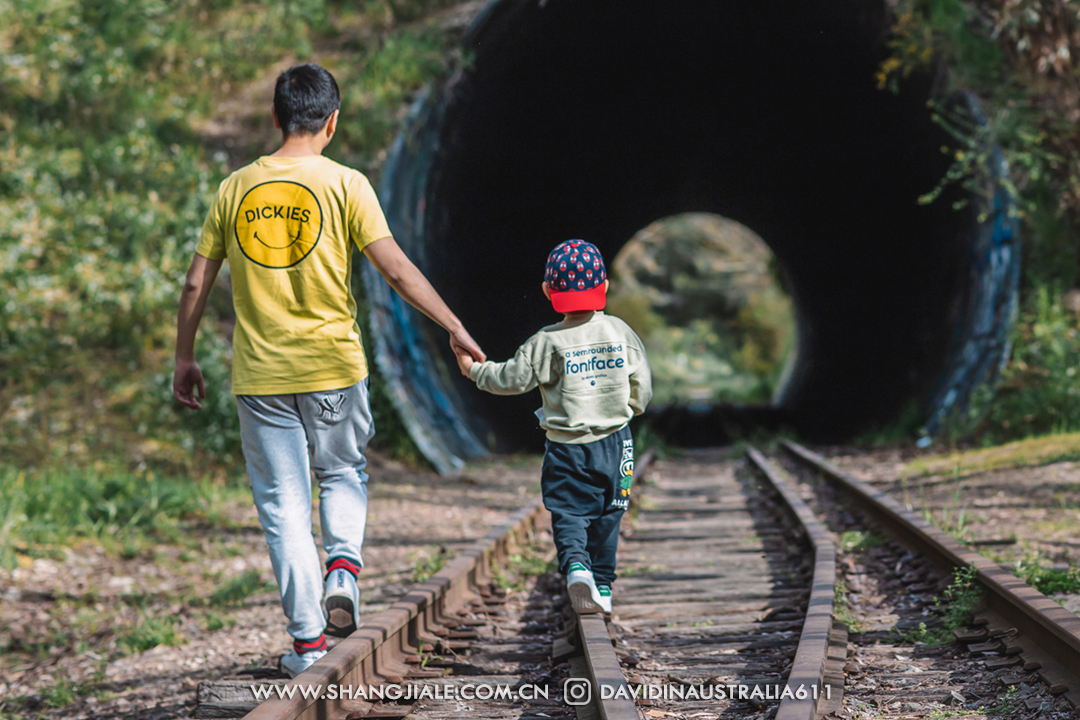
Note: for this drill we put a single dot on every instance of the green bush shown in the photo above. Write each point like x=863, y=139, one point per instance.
x=1020, y=60
x=1039, y=391
x=106, y=172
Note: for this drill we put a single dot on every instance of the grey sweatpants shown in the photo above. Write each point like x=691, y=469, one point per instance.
x=285, y=439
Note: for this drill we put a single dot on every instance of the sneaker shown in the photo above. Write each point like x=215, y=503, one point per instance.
x=294, y=663
x=584, y=597
x=342, y=602
x=605, y=597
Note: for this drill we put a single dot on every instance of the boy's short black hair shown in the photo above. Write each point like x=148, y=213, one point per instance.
x=304, y=98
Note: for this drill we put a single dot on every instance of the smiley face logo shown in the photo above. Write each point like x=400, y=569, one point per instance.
x=278, y=224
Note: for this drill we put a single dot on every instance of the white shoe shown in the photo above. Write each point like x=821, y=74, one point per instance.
x=605, y=597
x=294, y=663
x=584, y=597
x=342, y=601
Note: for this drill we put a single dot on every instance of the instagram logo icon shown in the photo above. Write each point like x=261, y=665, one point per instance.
x=577, y=691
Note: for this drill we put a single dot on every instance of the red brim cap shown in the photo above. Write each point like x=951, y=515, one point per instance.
x=565, y=301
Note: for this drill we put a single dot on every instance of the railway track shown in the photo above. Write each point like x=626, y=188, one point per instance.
x=725, y=608
x=1018, y=634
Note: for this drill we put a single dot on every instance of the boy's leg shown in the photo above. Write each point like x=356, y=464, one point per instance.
x=339, y=427
x=603, y=544
x=571, y=501
x=276, y=450
x=612, y=461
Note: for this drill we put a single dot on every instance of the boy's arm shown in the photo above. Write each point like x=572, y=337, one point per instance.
x=640, y=380
x=410, y=283
x=197, y=286
x=513, y=377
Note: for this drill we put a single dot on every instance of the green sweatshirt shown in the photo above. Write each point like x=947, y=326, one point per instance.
x=593, y=376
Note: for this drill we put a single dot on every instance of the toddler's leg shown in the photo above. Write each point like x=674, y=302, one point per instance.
x=613, y=462
x=603, y=542
x=276, y=451
x=572, y=503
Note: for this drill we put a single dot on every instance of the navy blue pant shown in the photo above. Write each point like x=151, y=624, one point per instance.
x=587, y=488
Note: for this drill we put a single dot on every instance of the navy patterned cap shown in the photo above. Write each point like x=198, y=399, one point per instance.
x=575, y=275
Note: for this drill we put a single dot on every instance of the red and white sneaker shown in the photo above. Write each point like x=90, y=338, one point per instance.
x=342, y=601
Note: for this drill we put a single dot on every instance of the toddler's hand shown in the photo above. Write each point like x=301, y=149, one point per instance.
x=465, y=363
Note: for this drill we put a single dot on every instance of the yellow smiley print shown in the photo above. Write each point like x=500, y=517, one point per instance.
x=278, y=224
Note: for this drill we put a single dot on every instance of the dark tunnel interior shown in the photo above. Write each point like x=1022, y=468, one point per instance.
x=593, y=119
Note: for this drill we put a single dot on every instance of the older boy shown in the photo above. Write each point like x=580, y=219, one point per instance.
x=287, y=224
x=593, y=376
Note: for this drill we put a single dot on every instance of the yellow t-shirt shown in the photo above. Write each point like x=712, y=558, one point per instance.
x=287, y=226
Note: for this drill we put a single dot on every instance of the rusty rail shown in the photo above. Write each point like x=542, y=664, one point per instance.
x=611, y=694
x=809, y=668
x=376, y=652
x=1048, y=637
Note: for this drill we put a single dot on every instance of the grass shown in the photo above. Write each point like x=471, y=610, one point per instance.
x=1007, y=703
x=1048, y=581
x=856, y=540
x=61, y=693
x=958, y=604
x=150, y=632
x=214, y=622
x=953, y=518
x=42, y=511
x=1021, y=453
x=239, y=588
x=427, y=562
x=842, y=607
x=529, y=561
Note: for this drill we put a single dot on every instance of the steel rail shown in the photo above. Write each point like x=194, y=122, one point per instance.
x=808, y=669
x=1047, y=635
x=611, y=693
x=377, y=650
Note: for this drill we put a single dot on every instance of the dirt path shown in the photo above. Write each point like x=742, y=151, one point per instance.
x=208, y=606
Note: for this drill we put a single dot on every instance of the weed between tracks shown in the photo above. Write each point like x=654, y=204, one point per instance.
x=427, y=562
x=842, y=607
x=529, y=560
x=953, y=517
x=957, y=605
x=856, y=540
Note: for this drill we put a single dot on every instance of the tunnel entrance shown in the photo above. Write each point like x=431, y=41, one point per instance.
x=594, y=119
x=702, y=293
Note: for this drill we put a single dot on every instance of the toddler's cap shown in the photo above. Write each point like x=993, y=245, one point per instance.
x=575, y=275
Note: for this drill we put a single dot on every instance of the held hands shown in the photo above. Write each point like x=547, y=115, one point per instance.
x=465, y=350
x=187, y=377
x=464, y=363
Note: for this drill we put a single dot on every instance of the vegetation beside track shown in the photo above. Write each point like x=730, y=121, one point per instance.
x=1019, y=453
x=119, y=121
x=1020, y=60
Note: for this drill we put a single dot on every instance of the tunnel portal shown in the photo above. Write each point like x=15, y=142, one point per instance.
x=593, y=119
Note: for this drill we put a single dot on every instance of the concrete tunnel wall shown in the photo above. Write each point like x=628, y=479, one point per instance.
x=594, y=119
